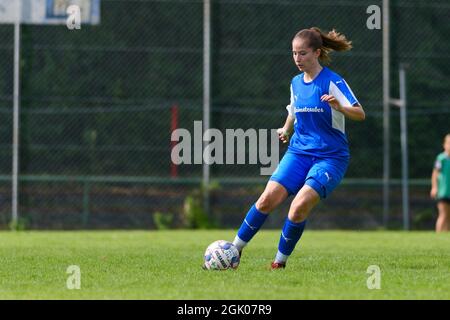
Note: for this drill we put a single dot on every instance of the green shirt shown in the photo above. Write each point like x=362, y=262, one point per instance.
x=443, y=165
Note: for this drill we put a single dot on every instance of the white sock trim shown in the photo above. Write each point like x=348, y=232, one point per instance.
x=239, y=243
x=281, y=258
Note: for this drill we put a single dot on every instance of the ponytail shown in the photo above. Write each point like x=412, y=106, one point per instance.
x=332, y=41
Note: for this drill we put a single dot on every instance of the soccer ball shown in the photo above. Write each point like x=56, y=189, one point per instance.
x=221, y=255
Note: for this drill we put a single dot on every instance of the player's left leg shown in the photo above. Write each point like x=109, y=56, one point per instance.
x=443, y=221
x=305, y=200
x=323, y=177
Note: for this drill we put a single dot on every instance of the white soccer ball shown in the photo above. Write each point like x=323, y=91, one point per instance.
x=221, y=255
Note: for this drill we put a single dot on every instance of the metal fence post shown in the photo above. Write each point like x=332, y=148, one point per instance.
x=404, y=145
x=386, y=113
x=206, y=95
x=15, y=160
x=86, y=202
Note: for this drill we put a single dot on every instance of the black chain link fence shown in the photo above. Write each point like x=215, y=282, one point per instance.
x=98, y=106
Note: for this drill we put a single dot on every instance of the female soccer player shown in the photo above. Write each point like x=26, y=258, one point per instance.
x=440, y=186
x=318, y=154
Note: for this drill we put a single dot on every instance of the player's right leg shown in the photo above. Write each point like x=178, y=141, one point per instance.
x=273, y=195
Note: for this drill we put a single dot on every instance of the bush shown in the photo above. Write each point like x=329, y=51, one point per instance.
x=194, y=216
x=162, y=221
x=19, y=225
x=424, y=219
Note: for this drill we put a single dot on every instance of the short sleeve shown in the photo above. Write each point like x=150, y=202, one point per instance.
x=438, y=164
x=290, y=107
x=342, y=92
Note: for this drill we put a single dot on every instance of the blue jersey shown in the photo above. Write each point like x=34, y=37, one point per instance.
x=319, y=130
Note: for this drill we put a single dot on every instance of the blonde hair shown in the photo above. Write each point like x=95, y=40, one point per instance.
x=326, y=42
x=447, y=136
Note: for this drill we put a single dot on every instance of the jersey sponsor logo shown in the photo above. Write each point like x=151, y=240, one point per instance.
x=309, y=109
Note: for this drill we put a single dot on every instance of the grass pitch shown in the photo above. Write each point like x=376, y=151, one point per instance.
x=167, y=265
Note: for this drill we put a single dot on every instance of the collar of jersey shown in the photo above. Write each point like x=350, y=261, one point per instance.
x=313, y=80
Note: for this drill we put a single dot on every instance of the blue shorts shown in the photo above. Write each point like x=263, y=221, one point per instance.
x=321, y=174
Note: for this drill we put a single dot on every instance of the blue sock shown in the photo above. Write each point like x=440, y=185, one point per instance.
x=252, y=223
x=290, y=235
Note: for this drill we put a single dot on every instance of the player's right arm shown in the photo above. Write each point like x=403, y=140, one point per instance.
x=285, y=133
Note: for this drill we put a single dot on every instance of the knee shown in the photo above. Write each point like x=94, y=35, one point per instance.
x=446, y=216
x=299, y=211
x=265, y=203
x=444, y=212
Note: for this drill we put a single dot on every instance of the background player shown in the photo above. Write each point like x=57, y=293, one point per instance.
x=440, y=186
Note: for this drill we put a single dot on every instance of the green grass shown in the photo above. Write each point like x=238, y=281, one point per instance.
x=166, y=265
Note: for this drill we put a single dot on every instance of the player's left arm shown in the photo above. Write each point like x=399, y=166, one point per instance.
x=341, y=98
x=354, y=112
